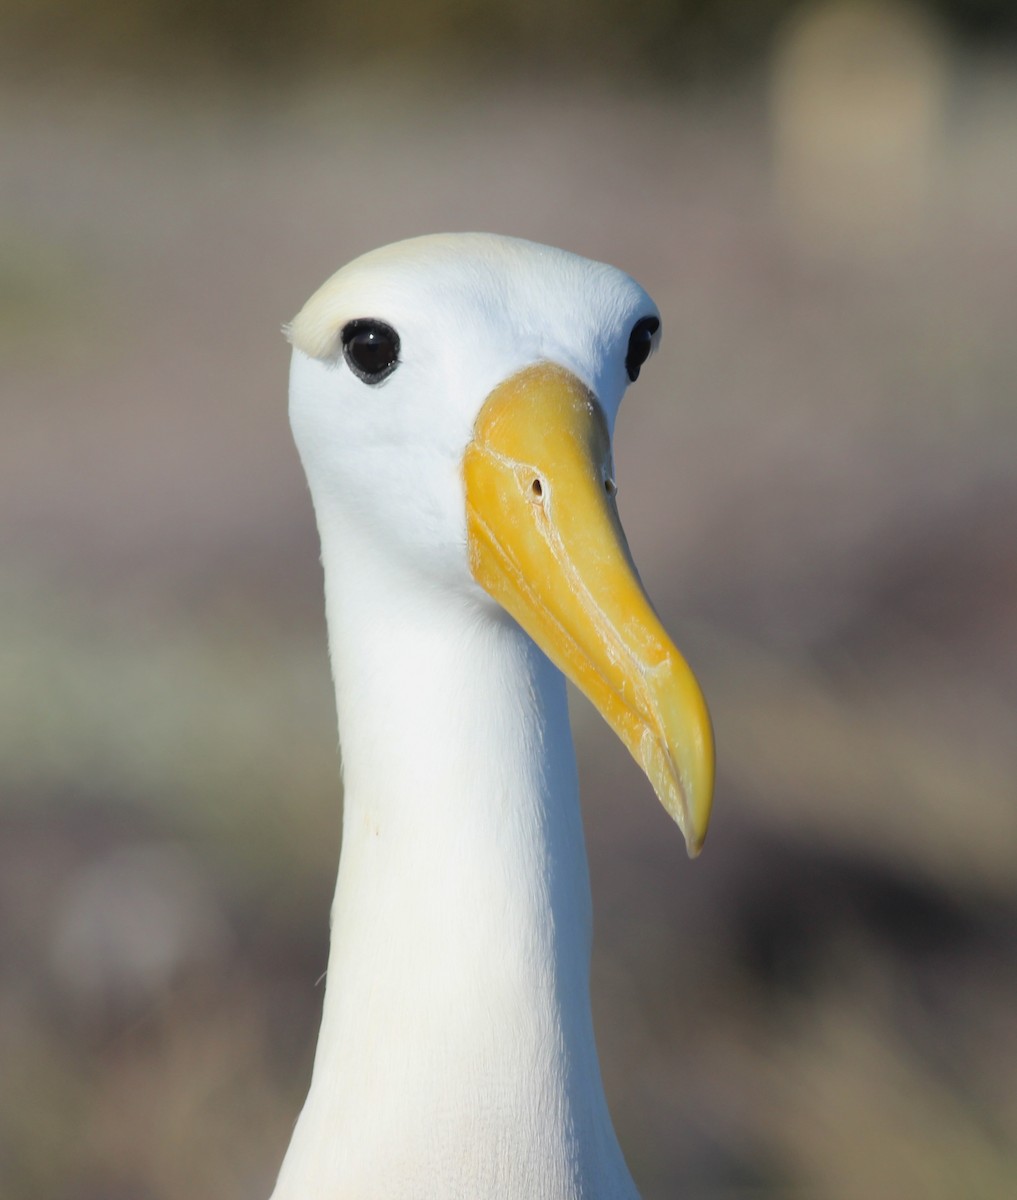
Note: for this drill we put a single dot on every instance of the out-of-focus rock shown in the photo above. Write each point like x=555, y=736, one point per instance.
x=857, y=110
x=131, y=922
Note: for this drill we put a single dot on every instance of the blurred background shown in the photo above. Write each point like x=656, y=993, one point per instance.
x=818, y=480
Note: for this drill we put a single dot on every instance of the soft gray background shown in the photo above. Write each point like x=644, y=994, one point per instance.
x=817, y=477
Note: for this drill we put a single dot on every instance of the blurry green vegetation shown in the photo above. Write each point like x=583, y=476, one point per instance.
x=190, y=698
x=47, y=291
x=657, y=40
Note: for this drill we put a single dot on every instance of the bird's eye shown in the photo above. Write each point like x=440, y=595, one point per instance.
x=640, y=345
x=371, y=348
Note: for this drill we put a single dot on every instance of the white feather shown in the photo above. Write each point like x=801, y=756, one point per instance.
x=456, y=1057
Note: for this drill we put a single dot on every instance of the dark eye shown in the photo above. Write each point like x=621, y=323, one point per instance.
x=371, y=348
x=640, y=344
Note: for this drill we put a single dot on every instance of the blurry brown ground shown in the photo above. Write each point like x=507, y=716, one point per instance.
x=818, y=478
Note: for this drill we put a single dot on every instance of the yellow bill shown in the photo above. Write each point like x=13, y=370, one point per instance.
x=546, y=543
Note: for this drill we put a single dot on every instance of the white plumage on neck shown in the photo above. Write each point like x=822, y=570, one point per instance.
x=452, y=399
x=457, y=998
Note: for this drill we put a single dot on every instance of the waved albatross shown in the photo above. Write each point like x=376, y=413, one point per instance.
x=452, y=399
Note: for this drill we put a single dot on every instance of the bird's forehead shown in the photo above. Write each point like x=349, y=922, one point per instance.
x=495, y=288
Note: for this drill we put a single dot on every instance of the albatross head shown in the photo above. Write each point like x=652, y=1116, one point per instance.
x=453, y=397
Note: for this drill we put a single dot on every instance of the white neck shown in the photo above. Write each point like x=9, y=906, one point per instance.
x=456, y=1057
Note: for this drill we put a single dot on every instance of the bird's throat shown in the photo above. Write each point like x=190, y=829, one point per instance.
x=456, y=1055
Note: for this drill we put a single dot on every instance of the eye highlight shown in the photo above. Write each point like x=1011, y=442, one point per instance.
x=371, y=349
x=640, y=345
